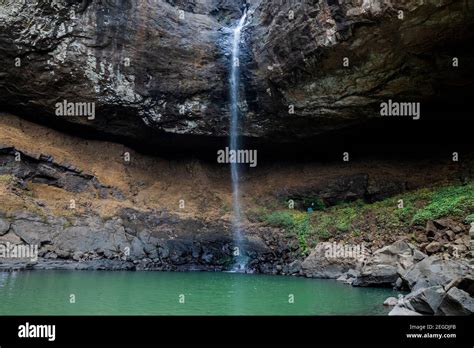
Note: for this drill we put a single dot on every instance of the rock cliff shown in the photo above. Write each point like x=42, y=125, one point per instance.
x=157, y=69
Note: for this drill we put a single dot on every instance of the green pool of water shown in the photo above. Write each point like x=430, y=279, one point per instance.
x=156, y=293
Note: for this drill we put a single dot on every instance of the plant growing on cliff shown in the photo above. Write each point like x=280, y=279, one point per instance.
x=301, y=228
x=282, y=219
x=386, y=216
x=451, y=200
x=295, y=222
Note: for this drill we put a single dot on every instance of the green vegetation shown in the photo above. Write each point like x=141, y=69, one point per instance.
x=395, y=214
x=282, y=219
x=470, y=219
x=301, y=229
x=455, y=201
x=295, y=222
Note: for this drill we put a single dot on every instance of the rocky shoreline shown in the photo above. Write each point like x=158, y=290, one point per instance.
x=133, y=240
x=440, y=281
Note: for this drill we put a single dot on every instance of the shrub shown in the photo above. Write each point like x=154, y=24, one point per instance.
x=282, y=219
x=447, y=201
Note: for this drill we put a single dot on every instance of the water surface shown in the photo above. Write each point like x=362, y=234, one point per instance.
x=159, y=293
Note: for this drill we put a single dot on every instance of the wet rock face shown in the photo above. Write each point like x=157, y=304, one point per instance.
x=160, y=67
x=145, y=64
x=300, y=47
x=136, y=240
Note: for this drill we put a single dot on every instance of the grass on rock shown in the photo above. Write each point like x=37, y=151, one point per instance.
x=396, y=214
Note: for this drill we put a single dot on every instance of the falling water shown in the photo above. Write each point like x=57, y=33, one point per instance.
x=234, y=140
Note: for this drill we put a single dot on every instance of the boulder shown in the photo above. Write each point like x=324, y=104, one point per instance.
x=349, y=276
x=4, y=226
x=391, y=302
x=377, y=275
x=318, y=265
x=457, y=302
x=463, y=283
x=401, y=311
x=421, y=236
x=34, y=232
x=449, y=224
x=11, y=238
x=433, y=247
x=387, y=264
x=434, y=270
x=294, y=267
x=425, y=300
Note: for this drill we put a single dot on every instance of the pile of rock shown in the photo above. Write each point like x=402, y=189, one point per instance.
x=444, y=236
x=441, y=284
x=385, y=267
x=438, y=287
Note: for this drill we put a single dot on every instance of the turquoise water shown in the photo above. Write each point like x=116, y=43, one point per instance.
x=158, y=293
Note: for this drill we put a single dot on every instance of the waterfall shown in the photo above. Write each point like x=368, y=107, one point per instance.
x=234, y=141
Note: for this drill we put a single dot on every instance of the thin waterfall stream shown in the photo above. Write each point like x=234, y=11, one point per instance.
x=240, y=259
